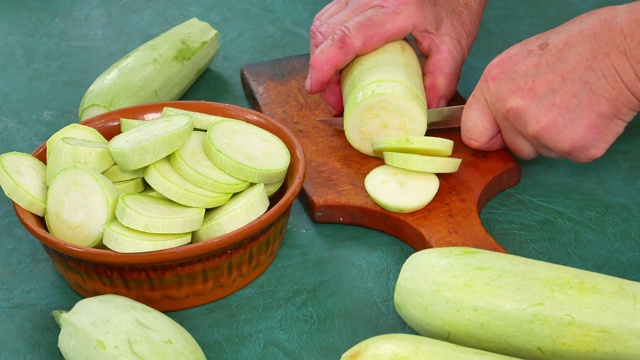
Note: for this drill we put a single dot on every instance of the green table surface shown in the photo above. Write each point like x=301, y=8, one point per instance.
x=331, y=285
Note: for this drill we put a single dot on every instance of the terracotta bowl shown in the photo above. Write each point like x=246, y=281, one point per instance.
x=192, y=274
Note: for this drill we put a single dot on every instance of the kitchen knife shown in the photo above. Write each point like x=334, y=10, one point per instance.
x=438, y=118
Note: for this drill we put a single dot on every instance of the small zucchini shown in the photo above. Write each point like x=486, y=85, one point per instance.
x=161, y=69
x=116, y=327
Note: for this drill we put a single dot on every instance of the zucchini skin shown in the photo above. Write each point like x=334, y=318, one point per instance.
x=383, y=95
x=162, y=69
x=519, y=307
x=415, y=347
x=112, y=326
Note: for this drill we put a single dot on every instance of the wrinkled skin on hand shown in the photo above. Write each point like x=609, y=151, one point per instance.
x=444, y=31
x=568, y=92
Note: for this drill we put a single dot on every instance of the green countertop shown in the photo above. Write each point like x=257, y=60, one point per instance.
x=331, y=285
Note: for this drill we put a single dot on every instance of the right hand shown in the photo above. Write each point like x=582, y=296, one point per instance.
x=444, y=31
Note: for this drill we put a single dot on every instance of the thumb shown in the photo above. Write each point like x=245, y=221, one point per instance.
x=479, y=128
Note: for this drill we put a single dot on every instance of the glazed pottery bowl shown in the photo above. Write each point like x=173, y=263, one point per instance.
x=192, y=274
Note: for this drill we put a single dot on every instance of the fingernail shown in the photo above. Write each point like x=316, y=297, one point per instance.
x=332, y=110
x=307, y=83
x=442, y=103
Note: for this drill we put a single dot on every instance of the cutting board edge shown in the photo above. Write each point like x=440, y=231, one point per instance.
x=414, y=236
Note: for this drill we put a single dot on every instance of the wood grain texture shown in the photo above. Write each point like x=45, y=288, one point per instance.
x=333, y=191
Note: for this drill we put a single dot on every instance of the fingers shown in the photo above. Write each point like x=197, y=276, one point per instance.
x=341, y=33
x=332, y=95
x=479, y=128
x=441, y=76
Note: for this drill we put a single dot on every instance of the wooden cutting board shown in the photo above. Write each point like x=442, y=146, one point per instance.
x=333, y=190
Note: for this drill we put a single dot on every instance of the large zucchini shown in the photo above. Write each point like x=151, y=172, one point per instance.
x=414, y=347
x=161, y=69
x=519, y=307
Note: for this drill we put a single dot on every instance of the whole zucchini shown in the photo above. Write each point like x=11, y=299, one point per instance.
x=519, y=307
x=161, y=69
x=116, y=327
x=414, y=347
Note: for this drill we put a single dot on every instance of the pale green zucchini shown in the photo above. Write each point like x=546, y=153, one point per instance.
x=192, y=163
x=201, y=121
x=150, y=141
x=23, y=180
x=414, y=347
x=128, y=124
x=135, y=185
x=247, y=152
x=161, y=69
x=123, y=239
x=148, y=190
x=383, y=95
x=424, y=163
x=115, y=174
x=116, y=327
x=272, y=188
x=154, y=215
x=76, y=131
x=164, y=178
x=75, y=151
x=423, y=145
x=401, y=190
x=519, y=307
x=79, y=204
x=241, y=209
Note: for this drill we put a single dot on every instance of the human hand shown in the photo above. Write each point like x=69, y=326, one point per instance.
x=568, y=92
x=444, y=31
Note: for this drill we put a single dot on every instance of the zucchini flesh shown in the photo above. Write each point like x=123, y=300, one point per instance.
x=23, y=180
x=517, y=306
x=241, y=209
x=201, y=121
x=400, y=190
x=154, y=215
x=383, y=95
x=424, y=145
x=150, y=141
x=115, y=174
x=123, y=239
x=164, y=179
x=135, y=185
x=424, y=163
x=247, y=152
x=192, y=163
x=79, y=204
x=161, y=69
x=88, y=153
x=78, y=131
x=128, y=124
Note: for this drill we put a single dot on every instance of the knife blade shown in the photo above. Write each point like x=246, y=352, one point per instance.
x=438, y=118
